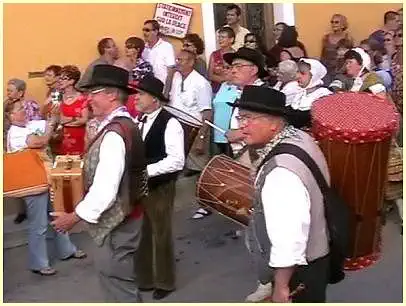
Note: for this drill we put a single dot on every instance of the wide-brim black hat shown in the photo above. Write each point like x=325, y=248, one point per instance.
x=153, y=86
x=250, y=55
x=110, y=76
x=266, y=100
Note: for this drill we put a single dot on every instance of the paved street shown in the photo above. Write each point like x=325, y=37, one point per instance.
x=212, y=267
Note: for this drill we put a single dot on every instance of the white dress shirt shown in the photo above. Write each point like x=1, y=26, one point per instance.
x=286, y=204
x=174, y=146
x=103, y=191
x=161, y=57
x=196, y=95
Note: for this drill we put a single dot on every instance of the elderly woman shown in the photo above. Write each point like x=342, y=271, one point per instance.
x=358, y=76
x=287, y=82
x=339, y=27
x=35, y=134
x=16, y=90
x=193, y=43
x=73, y=114
x=217, y=73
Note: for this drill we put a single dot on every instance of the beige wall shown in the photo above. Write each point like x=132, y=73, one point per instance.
x=37, y=35
x=313, y=21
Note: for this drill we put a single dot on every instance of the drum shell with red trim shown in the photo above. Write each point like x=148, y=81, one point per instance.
x=354, y=131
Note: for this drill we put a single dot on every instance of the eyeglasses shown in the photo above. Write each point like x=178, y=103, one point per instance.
x=130, y=47
x=250, y=42
x=147, y=30
x=238, y=66
x=64, y=78
x=96, y=91
x=187, y=45
x=248, y=118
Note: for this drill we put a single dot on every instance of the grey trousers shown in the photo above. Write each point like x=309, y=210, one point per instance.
x=114, y=262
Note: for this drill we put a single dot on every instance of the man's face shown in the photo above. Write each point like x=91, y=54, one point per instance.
x=242, y=72
x=112, y=49
x=394, y=24
x=149, y=33
x=50, y=78
x=257, y=128
x=184, y=61
x=145, y=103
x=100, y=101
x=232, y=17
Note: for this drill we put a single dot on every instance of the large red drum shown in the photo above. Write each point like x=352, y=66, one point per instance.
x=354, y=131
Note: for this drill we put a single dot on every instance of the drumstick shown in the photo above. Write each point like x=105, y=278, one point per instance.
x=214, y=126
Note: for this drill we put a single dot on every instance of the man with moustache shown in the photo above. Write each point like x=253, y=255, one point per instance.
x=115, y=181
x=164, y=142
x=287, y=234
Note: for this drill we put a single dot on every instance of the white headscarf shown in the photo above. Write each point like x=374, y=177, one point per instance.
x=317, y=70
x=366, y=63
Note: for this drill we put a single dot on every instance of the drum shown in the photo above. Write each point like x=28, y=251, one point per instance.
x=190, y=124
x=67, y=182
x=227, y=186
x=354, y=131
x=24, y=174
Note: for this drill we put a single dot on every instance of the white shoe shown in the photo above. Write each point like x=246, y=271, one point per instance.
x=262, y=292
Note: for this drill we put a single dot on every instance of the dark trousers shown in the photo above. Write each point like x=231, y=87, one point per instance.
x=315, y=277
x=155, y=263
x=114, y=262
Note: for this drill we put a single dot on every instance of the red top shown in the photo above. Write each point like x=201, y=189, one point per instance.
x=73, y=142
x=354, y=118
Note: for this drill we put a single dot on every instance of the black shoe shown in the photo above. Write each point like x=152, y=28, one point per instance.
x=145, y=289
x=20, y=218
x=160, y=294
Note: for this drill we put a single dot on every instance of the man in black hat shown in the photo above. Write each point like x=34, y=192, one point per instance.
x=164, y=142
x=247, y=68
x=287, y=234
x=115, y=181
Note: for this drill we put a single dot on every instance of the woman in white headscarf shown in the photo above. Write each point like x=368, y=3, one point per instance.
x=358, y=76
x=309, y=77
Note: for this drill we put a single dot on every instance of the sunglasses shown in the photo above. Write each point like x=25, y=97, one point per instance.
x=147, y=30
x=187, y=45
x=387, y=39
x=334, y=22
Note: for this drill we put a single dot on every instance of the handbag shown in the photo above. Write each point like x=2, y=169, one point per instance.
x=24, y=174
x=336, y=211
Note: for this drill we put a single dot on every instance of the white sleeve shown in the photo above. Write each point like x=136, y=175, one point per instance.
x=205, y=95
x=286, y=205
x=103, y=191
x=170, y=56
x=174, y=148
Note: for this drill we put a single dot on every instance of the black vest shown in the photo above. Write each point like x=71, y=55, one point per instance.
x=155, y=148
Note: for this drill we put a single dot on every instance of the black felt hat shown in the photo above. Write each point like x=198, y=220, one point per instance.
x=153, y=86
x=250, y=55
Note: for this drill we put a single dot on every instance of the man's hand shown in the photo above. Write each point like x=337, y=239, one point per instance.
x=63, y=222
x=281, y=294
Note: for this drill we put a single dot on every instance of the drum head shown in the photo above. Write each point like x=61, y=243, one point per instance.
x=183, y=116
